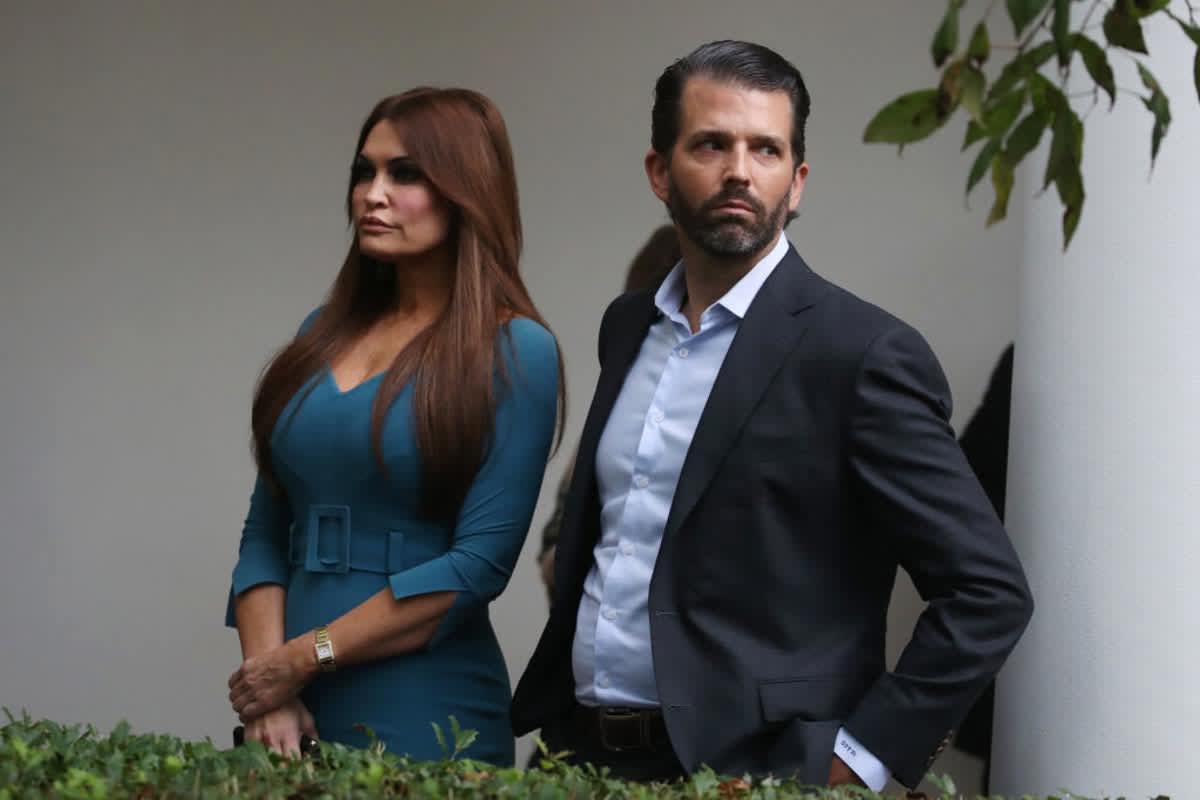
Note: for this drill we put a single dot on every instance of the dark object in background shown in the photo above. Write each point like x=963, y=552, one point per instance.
x=308, y=745
x=985, y=439
x=985, y=443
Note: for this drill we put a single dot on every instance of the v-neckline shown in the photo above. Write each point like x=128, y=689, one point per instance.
x=340, y=392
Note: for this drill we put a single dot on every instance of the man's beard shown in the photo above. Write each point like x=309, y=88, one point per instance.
x=725, y=235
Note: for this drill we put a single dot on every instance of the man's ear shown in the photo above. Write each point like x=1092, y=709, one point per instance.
x=798, y=178
x=658, y=172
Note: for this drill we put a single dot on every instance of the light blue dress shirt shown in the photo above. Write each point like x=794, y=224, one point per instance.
x=638, y=461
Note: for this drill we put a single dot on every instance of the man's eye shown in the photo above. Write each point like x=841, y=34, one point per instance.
x=769, y=150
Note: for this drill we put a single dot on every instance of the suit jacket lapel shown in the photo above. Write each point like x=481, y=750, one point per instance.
x=765, y=336
x=623, y=337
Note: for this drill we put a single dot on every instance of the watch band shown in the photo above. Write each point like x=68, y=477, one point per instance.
x=323, y=647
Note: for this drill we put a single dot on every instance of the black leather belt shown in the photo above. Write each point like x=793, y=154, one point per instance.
x=620, y=729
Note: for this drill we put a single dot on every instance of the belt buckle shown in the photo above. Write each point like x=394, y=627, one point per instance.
x=327, y=539
x=622, y=714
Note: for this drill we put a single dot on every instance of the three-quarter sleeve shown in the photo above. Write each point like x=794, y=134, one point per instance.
x=263, y=553
x=491, y=526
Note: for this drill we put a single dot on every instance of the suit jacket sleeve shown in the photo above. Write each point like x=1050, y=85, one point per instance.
x=921, y=500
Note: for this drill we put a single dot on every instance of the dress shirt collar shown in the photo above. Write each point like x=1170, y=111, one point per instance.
x=669, y=297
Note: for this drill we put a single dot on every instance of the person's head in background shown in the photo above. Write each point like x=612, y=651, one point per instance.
x=654, y=260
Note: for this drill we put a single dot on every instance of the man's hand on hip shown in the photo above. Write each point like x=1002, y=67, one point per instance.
x=841, y=775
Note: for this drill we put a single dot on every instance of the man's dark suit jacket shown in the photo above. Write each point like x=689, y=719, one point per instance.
x=822, y=461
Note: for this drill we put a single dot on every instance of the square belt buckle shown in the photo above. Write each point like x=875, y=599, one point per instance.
x=623, y=717
x=327, y=539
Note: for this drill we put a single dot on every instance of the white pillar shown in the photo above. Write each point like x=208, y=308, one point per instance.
x=1102, y=696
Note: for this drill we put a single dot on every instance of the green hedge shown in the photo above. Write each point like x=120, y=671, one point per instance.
x=46, y=759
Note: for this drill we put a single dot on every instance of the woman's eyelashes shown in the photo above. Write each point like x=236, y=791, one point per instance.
x=361, y=170
x=403, y=170
x=400, y=170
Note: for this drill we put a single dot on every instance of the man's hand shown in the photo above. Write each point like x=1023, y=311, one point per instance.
x=842, y=775
x=280, y=730
x=266, y=682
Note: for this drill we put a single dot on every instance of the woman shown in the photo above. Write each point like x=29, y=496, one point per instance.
x=400, y=441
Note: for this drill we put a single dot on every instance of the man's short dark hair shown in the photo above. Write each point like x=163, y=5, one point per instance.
x=743, y=64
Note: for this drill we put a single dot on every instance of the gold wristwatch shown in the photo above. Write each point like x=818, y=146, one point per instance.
x=324, y=649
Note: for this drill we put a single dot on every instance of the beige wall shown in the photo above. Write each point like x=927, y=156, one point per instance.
x=172, y=176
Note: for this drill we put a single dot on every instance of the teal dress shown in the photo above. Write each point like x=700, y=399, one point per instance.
x=346, y=530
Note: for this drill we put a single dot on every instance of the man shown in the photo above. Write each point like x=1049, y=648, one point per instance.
x=762, y=451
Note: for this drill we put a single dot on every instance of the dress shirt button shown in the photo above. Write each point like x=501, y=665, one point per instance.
x=683, y=352
x=603, y=682
x=627, y=549
x=609, y=614
x=657, y=417
x=641, y=481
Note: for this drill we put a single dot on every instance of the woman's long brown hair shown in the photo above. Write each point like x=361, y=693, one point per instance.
x=458, y=139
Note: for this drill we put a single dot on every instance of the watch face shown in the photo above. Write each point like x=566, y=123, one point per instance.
x=324, y=651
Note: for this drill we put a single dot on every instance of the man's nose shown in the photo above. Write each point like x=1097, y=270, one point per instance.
x=737, y=165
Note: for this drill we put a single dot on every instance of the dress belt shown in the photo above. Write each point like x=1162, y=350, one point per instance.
x=327, y=541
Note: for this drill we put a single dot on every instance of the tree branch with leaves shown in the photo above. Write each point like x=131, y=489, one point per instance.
x=1011, y=115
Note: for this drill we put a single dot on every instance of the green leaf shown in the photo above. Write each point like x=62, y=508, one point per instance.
x=908, y=118
x=1196, y=71
x=1066, y=146
x=975, y=132
x=1144, y=8
x=945, y=41
x=981, y=46
x=1193, y=31
x=1148, y=79
x=999, y=115
x=1044, y=95
x=972, y=83
x=950, y=85
x=1026, y=135
x=1071, y=213
x=1096, y=61
x=463, y=740
x=704, y=781
x=1121, y=29
x=1061, y=28
x=1159, y=106
x=1021, y=68
x=982, y=162
x=1063, y=168
x=1023, y=12
x=1002, y=182
x=441, y=738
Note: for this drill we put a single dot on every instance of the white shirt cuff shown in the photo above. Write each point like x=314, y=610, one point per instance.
x=867, y=767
